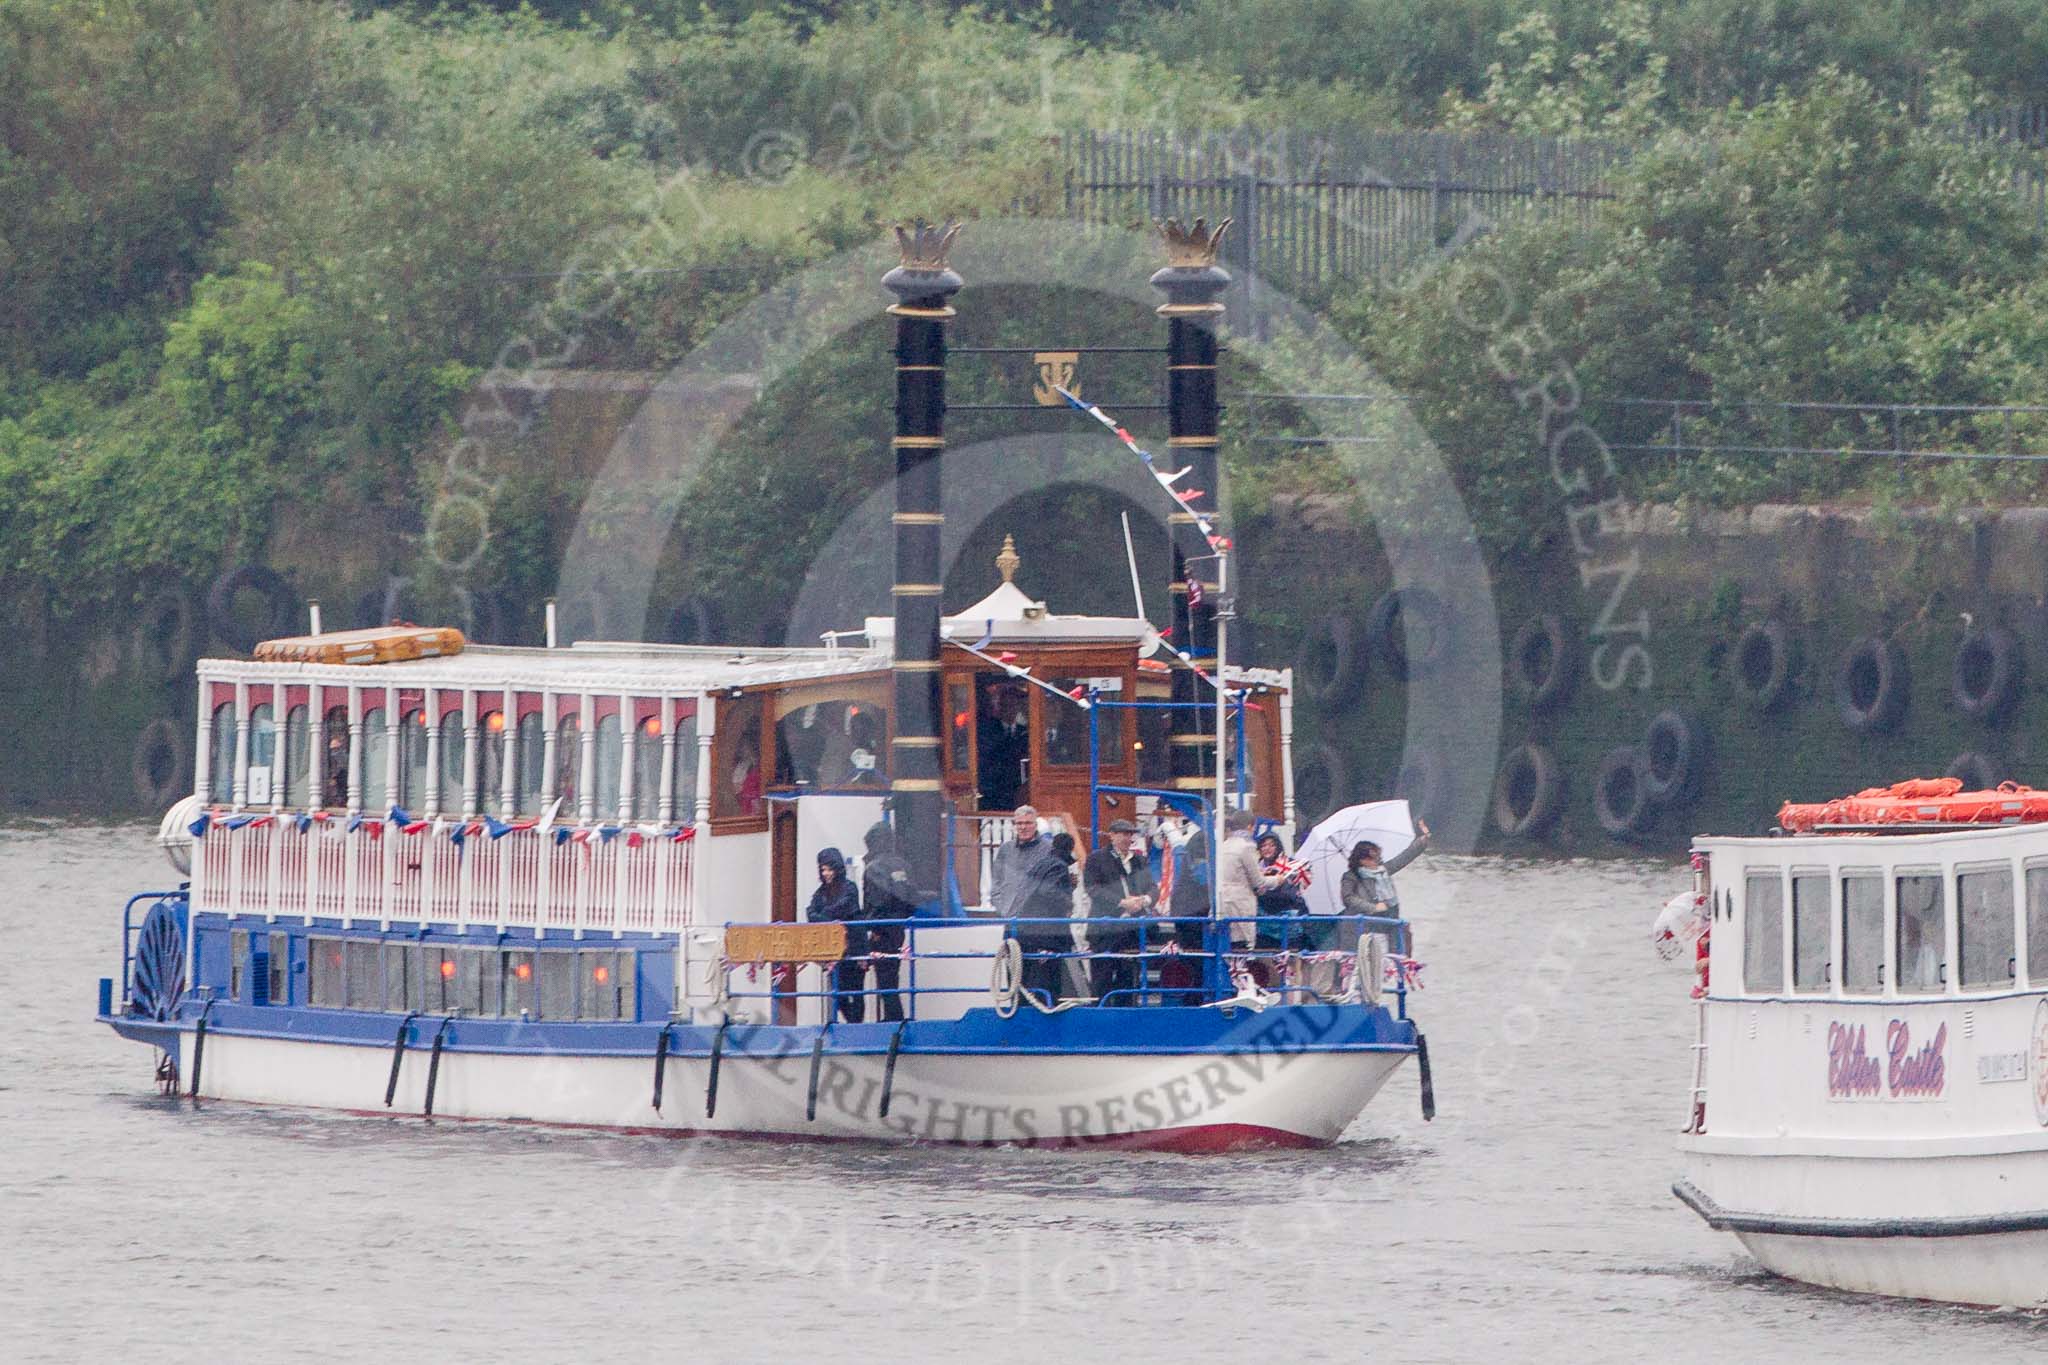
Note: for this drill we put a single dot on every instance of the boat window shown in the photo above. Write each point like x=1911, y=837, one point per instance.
x=960, y=708
x=568, y=762
x=686, y=769
x=400, y=981
x=1810, y=932
x=1863, y=934
x=1920, y=968
x=832, y=745
x=376, y=760
x=490, y=760
x=326, y=972
x=482, y=981
x=610, y=758
x=1984, y=924
x=262, y=753
x=736, y=759
x=517, y=974
x=1066, y=725
x=532, y=754
x=221, y=773
x=1763, y=933
x=647, y=769
x=365, y=977
x=2037, y=926
x=412, y=767
x=280, y=969
x=557, y=973
x=454, y=760
x=335, y=737
x=298, y=786
x=238, y=956
x=433, y=978
x=602, y=985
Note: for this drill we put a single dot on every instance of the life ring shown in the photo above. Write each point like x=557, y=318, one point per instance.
x=1621, y=797
x=158, y=765
x=1764, y=659
x=1006, y=977
x=164, y=636
x=1528, y=793
x=1987, y=673
x=693, y=621
x=280, y=607
x=1404, y=612
x=1675, y=746
x=1873, y=686
x=1543, y=662
x=1329, y=665
x=1421, y=781
x=1977, y=772
x=1322, y=759
x=1372, y=968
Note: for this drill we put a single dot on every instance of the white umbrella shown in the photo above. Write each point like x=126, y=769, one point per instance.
x=1327, y=849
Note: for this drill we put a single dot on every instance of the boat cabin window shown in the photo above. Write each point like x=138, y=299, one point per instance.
x=1811, y=970
x=686, y=768
x=454, y=755
x=221, y=772
x=298, y=772
x=611, y=757
x=412, y=768
x=647, y=768
x=376, y=759
x=736, y=759
x=832, y=746
x=335, y=737
x=433, y=978
x=1066, y=725
x=1984, y=927
x=1763, y=933
x=532, y=754
x=517, y=975
x=401, y=979
x=1920, y=970
x=2037, y=926
x=1863, y=933
x=557, y=973
x=324, y=959
x=364, y=976
x=262, y=753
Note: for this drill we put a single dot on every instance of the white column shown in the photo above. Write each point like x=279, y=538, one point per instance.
x=430, y=711
x=316, y=748
x=278, y=765
x=202, y=749
x=355, y=752
x=472, y=758
x=669, y=726
x=586, y=759
x=241, y=777
x=548, y=743
x=393, y=763
x=629, y=740
x=508, y=770
x=707, y=731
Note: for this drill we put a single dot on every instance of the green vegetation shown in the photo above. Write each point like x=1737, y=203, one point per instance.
x=257, y=252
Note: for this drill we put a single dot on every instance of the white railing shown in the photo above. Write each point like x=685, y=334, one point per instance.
x=636, y=880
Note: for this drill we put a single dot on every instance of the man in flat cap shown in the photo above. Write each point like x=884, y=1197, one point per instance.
x=1121, y=891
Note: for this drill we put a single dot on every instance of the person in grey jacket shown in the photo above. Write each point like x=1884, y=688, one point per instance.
x=1017, y=864
x=1368, y=885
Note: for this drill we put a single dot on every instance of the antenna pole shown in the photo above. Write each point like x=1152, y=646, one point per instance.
x=1131, y=556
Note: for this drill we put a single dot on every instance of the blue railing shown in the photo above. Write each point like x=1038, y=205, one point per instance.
x=1299, y=958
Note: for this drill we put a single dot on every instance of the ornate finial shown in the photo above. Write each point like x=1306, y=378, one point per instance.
x=1192, y=246
x=1008, y=561
x=923, y=246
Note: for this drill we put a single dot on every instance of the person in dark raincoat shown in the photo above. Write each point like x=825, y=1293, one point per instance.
x=888, y=894
x=837, y=901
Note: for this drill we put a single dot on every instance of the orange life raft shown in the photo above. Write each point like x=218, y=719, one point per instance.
x=1920, y=801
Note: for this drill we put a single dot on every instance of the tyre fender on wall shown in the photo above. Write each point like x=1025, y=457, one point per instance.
x=1872, y=686
x=1978, y=772
x=1320, y=782
x=158, y=765
x=1675, y=750
x=1621, y=796
x=1410, y=630
x=1987, y=673
x=276, y=615
x=166, y=636
x=1763, y=663
x=1543, y=662
x=1528, y=793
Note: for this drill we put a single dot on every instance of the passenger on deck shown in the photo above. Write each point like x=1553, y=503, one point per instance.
x=1368, y=887
x=1016, y=864
x=1239, y=881
x=1188, y=903
x=1282, y=902
x=1049, y=904
x=1120, y=888
x=888, y=894
x=837, y=901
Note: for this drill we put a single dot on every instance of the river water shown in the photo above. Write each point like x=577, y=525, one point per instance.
x=1532, y=1221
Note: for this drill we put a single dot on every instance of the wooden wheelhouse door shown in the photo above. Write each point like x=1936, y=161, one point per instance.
x=782, y=898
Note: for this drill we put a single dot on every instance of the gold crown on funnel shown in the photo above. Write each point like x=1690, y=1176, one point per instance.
x=1192, y=244
x=923, y=246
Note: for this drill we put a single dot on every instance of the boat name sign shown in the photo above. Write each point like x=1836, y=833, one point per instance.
x=1906, y=1073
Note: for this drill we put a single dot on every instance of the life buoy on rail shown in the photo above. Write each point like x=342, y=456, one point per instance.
x=1528, y=793
x=1764, y=659
x=1987, y=673
x=158, y=765
x=1410, y=630
x=164, y=636
x=1319, y=781
x=275, y=617
x=1873, y=686
x=1621, y=799
x=1543, y=662
x=1674, y=757
x=1006, y=978
x=1329, y=666
x=1977, y=772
